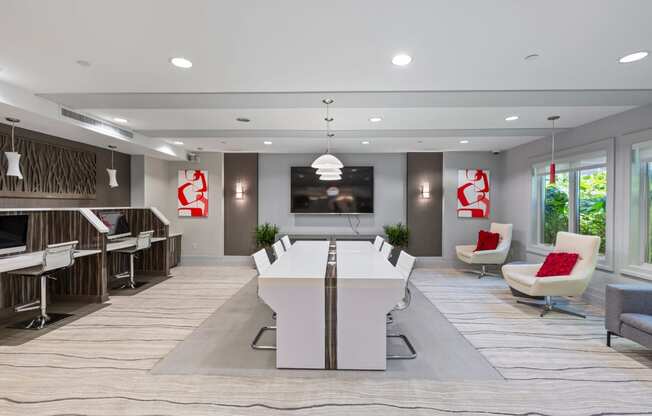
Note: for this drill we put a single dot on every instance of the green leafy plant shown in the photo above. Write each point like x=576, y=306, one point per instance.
x=397, y=235
x=266, y=235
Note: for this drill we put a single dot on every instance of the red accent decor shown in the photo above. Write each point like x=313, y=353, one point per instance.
x=192, y=193
x=558, y=264
x=487, y=241
x=473, y=193
x=552, y=173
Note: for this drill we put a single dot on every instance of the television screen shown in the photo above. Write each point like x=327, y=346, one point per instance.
x=353, y=194
x=13, y=231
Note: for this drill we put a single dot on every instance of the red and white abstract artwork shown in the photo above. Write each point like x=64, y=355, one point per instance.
x=473, y=193
x=192, y=194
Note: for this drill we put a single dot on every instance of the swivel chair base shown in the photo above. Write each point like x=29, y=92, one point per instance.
x=482, y=272
x=547, y=305
x=254, y=343
x=413, y=353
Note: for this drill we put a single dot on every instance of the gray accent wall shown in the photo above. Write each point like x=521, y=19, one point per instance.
x=240, y=215
x=389, y=195
x=424, y=215
x=515, y=200
x=457, y=231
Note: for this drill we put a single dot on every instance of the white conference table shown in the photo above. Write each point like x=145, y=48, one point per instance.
x=368, y=286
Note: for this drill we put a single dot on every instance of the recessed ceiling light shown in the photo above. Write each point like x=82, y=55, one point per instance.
x=82, y=62
x=178, y=142
x=243, y=119
x=401, y=60
x=267, y=142
x=464, y=141
x=120, y=120
x=365, y=142
x=511, y=118
x=375, y=119
x=531, y=57
x=181, y=62
x=633, y=57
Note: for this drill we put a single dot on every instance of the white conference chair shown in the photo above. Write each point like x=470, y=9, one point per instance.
x=386, y=250
x=484, y=258
x=286, y=242
x=378, y=242
x=522, y=277
x=55, y=257
x=404, y=265
x=262, y=263
x=279, y=250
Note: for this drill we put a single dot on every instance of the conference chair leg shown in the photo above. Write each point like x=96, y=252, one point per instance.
x=260, y=333
x=608, y=338
x=547, y=305
x=413, y=353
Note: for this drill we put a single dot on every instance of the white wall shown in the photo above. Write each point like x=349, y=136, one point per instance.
x=517, y=182
x=274, y=194
x=456, y=231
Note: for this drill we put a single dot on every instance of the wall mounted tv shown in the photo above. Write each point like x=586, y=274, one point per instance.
x=353, y=194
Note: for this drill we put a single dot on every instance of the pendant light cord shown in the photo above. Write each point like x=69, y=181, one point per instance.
x=13, y=127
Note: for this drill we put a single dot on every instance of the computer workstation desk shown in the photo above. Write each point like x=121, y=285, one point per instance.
x=88, y=280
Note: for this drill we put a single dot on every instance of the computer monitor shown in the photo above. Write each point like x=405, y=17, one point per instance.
x=116, y=222
x=13, y=233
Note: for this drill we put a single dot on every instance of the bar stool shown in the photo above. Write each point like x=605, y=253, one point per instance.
x=143, y=241
x=262, y=262
x=404, y=265
x=55, y=257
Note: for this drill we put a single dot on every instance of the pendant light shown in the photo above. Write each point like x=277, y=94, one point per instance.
x=13, y=157
x=327, y=160
x=113, y=181
x=552, y=159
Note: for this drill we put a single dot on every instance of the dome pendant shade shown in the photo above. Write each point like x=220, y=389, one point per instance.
x=327, y=161
x=13, y=168
x=330, y=177
x=113, y=182
x=329, y=171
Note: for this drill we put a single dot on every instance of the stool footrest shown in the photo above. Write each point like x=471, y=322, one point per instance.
x=28, y=306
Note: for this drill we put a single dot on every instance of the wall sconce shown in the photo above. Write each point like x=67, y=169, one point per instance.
x=425, y=190
x=239, y=190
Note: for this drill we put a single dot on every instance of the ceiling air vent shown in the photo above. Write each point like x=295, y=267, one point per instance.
x=97, y=125
x=192, y=157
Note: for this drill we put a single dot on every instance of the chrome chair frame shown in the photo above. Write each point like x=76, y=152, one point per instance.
x=42, y=272
x=404, y=304
x=261, y=259
x=143, y=241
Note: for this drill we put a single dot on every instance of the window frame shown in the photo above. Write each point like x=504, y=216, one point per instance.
x=534, y=245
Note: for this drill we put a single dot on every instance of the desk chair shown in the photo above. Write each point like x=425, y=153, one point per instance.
x=386, y=250
x=55, y=257
x=404, y=265
x=286, y=242
x=279, y=250
x=143, y=241
x=262, y=262
x=378, y=242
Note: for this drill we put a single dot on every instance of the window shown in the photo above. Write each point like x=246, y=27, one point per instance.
x=576, y=202
x=641, y=206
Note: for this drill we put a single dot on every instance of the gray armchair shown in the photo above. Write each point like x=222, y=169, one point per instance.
x=629, y=313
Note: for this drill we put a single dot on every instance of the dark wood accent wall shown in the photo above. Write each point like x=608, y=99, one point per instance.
x=175, y=250
x=240, y=215
x=424, y=215
x=61, y=173
x=85, y=281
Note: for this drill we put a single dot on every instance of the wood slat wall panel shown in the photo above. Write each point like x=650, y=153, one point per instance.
x=175, y=250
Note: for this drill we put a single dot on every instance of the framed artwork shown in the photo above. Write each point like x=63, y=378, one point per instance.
x=473, y=193
x=192, y=193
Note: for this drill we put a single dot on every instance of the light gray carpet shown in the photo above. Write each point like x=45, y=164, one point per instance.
x=221, y=345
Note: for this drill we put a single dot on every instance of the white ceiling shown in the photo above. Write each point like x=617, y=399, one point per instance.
x=279, y=59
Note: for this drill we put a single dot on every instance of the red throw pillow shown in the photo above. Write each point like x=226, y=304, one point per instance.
x=558, y=264
x=487, y=241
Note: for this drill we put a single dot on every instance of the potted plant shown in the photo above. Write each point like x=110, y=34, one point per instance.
x=398, y=236
x=266, y=236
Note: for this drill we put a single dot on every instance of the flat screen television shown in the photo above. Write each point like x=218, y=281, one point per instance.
x=353, y=194
x=13, y=233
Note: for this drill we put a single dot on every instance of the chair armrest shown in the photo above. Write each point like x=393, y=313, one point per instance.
x=626, y=299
